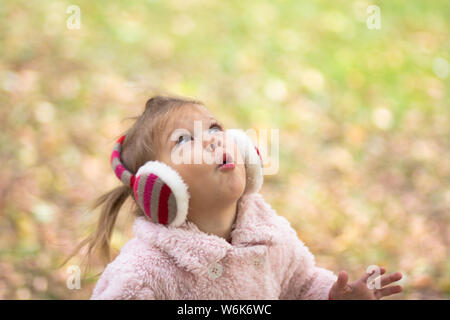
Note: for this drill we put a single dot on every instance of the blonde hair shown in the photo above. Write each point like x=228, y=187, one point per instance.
x=140, y=145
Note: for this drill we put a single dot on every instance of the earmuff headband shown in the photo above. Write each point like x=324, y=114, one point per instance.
x=158, y=189
x=119, y=169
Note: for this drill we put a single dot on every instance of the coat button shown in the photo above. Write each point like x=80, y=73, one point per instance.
x=215, y=270
x=258, y=261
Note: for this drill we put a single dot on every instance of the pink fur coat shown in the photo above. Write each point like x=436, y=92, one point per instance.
x=265, y=260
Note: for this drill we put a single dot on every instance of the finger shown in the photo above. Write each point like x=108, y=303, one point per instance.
x=342, y=280
x=367, y=275
x=389, y=278
x=387, y=291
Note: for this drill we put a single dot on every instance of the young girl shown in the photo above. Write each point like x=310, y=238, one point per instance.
x=204, y=232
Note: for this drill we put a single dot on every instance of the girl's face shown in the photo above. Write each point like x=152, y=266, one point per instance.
x=194, y=144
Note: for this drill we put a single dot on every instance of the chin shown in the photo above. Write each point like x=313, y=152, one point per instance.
x=232, y=190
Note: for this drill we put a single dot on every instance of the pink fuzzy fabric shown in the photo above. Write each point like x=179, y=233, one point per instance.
x=266, y=260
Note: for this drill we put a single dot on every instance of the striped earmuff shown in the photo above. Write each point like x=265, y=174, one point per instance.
x=162, y=194
x=158, y=189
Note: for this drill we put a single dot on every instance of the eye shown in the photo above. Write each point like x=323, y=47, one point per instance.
x=183, y=138
x=215, y=126
x=186, y=137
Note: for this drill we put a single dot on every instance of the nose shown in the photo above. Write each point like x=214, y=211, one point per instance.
x=212, y=141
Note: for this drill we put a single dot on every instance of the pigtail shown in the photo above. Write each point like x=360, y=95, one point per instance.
x=99, y=240
x=111, y=203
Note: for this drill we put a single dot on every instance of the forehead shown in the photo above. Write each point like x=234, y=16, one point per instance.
x=185, y=116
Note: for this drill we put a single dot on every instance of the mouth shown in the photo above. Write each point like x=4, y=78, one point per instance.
x=227, y=162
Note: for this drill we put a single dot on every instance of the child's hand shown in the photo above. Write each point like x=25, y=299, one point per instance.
x=359, y=289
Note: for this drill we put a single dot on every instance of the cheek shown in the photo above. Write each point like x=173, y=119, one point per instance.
x=195, y=176
x=186, y=172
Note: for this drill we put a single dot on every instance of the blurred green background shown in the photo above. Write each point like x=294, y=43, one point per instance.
x=363, y=116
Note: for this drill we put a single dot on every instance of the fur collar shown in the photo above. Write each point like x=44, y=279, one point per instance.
x=194, y=250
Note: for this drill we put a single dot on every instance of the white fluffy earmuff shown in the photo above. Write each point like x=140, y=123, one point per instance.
x=252, y=160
